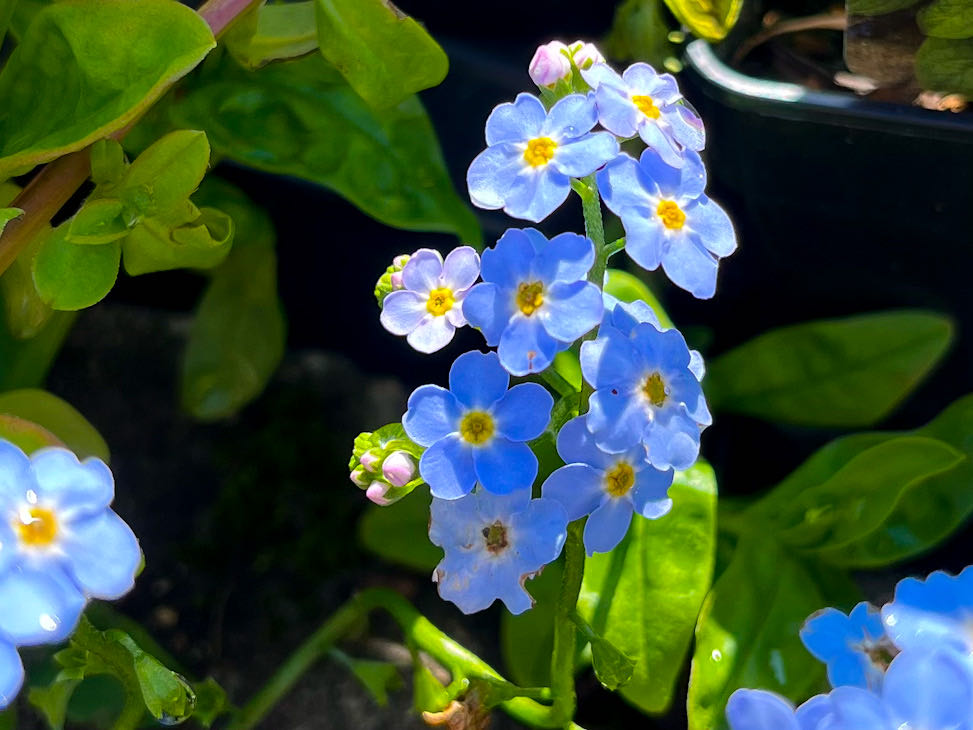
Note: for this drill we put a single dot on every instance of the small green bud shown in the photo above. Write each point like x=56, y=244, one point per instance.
x=391, y=280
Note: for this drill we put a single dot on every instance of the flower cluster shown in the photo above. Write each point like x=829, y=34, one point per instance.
x=908, y=665
x=535, y=298
x=60, y=545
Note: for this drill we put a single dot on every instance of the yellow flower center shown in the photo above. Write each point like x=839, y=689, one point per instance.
x=671, y=214
x=654, y=389
x=496, y=537
x=440, y=301
x=646, y=106
x=530, y=296
x=36, y=526
x=619, y=479
x=476, y=427
x=539, y=151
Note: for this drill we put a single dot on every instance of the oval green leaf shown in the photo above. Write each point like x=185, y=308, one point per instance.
x=273, y=33
x=644, y=596
x=27, y=436
x=840, y=372
x=58, y=417
x=69, y=276
x=709, y=19
x=86, y=69
x=947, y=19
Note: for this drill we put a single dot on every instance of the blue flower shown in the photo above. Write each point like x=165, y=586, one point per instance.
x=854, y=647
x=645, y=392
x=609, y=487
x=534, y=300
x=938, y=609
x=11, y=673
x=532, y=155
x=64, y=543
x=844, y=708
x=667, y=218
x=475, y=431
x=492, y=544
x=643, y=102
x=430, y=306
x=757, y=709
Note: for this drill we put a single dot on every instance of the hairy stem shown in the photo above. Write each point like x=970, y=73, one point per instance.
x=565, y=631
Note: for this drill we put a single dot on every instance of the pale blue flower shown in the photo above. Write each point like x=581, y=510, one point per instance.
x=476, y=431
x=532, y=154
x=936, y=609
x=492, y=544
x=11, y=673
x=854, y=647
x=642, y=102
x=667, y=218
x=609, y=487
x=430, y=306
x=534, y=300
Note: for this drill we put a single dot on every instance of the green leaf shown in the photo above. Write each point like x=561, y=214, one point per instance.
x=201, y=244
x=378, y=678
x=640, y=31
x=527, y=639
x=946, y=65
x=708, y=19
x=747, y=635
x=299, y=118
x=26, y=312
x=86, y=69
x=858, y=497
x=24, y=363
x=877, y=7
x=947, y=19
x=428, y=693
x=273, y=33
x=384, y=54
x=99, y=221
x=211, y=702
x=7, y=215
x=57, y=416
x=167, y=173
x=612, y=668
x=7, y=8
x=399, y=533
x=69, y=276
x=27, y=436
x=568, y=366
x=52, y=701
x=840, y=372
x=644, y=596
x=108, y=162
x=629, y=288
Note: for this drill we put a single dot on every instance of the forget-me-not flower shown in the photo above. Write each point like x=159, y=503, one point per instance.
x=492, y=544
x=429, y=307
x=476, y=431
x=642, y=102
x=63, y=543
x=938, y=608
x=645, y=392
x=609, y=487
x=534, y=300
x=854, y=647
x=532, y=154
x=667, y=218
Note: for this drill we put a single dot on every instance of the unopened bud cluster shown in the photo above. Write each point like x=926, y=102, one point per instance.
x=554, y=65
x=391, y=280
x=384, y=463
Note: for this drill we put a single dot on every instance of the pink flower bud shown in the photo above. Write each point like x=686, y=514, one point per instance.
x=549, y=64
x=376, y=492
x=395, y=279
x=370, y=460
x=399, y=468
x=587, y=55
x=360, y=478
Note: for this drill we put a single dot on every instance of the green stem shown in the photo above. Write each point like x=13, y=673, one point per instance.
x=614, y=247
x=565, y=631
x=419, y=632
x=558, y=383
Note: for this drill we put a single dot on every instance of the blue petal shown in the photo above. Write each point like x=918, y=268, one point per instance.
x=73, y=487
x=432, y=335
x=492, y=173
x=650, y=493
x=616, y=112
x=602, y=74
x=11, y=674
x=685, y=389
x=659, y=139
x=461, y=268
x=492, y=507
x=689, y=266
x=625, y=315
x=524, y=412
x=610, y=360
x=754, y=709
x=489, y=309
x=825, y=634
x=509, y=262
x=579, y=488
x=103, y=555
x=925, y=611
x=423, y=272
x=517, y=121
x=644, y=237
x=673, y=442
x=665, y=350
x=40, y=606
x=454, y=523
x=478, y=380
x=459, y=582
x=539, y=533
x=696, y=365
x=616, y=421
x=447, y=467
x=570, y=310
x=575, y=444
x=711, y=223
x=641, y=78
x=687, y=128
x=607, y=526
x=668, y=179
x=846, y=708
x=8, y=543
x=566, y=257
x=525, y=347
x=692, y=179
x=581, y=157
x=503, y=466
x=432, y=414
x=15, y=477
x=402, y=311
x=929, y=688
x=624, y=185
x=571, y=117
x=508, y=578
x=536, y=193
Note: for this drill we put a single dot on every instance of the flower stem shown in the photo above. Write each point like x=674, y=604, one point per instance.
x=565, y=631
x=419, y=632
